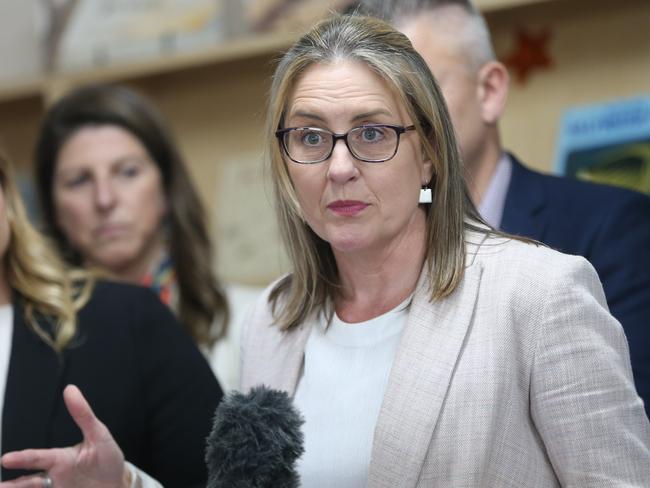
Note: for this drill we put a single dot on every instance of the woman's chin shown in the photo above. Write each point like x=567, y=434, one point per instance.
x=350, y=244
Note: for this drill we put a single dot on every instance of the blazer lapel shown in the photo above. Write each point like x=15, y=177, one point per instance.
x=525, y=201
x=277, y=359
x=292, y=351
x=32, y=390
x=419, y=380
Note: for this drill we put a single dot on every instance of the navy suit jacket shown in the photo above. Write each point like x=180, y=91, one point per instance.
x=610, y=227
x=141, y=373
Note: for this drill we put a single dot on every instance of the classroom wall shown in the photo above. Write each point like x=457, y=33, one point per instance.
x=600, y=51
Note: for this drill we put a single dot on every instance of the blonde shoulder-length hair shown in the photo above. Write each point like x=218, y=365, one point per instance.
x=314, y=279
x=48, y=290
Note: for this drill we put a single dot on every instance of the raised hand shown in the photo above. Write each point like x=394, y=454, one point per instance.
x=97, y=462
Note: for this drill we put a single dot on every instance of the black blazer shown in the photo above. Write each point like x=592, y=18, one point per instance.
x=610, y=227
x=141, y=373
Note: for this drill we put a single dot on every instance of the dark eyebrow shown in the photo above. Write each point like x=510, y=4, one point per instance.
x=129, y=158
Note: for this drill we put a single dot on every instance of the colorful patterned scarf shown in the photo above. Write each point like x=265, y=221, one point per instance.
x=162, y=280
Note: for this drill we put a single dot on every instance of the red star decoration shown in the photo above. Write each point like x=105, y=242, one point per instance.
x=529, y=53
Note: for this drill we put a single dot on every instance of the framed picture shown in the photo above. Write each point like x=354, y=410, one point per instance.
x=607, y=143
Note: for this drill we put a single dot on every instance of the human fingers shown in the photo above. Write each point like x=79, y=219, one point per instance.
x=29, y=481
x=33, y=459
x=92, y=428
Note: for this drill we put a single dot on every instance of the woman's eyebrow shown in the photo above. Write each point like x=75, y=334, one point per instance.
x=355, y=118
x=371, y=113
x=307, y=115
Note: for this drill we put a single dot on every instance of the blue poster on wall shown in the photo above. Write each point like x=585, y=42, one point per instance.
x=607, y=143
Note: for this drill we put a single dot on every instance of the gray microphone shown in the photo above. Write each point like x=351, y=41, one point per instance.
x=255, y=441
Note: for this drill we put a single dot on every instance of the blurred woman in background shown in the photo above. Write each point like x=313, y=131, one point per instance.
x=116, y=195
x=139, y=370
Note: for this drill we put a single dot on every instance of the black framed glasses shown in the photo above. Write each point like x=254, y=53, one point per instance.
x=373, y=143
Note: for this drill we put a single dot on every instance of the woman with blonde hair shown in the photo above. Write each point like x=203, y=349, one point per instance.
x=154, y=392
x=423, y=347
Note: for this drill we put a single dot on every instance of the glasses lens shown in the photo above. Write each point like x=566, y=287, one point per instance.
x=308, y=145
x=373, y=143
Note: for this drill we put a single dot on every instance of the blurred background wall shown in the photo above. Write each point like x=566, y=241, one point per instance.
x=212, y=89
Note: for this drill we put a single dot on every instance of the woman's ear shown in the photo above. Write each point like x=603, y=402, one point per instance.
x=493, y=83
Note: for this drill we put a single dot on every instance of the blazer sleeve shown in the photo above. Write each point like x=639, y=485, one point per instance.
x=583, y=399
x=180, y=392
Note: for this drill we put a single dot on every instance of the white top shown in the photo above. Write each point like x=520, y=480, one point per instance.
x=6, y=331
x=139, y=479
x=340, y=392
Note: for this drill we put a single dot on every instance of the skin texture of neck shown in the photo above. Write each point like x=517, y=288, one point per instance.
x=375, y=282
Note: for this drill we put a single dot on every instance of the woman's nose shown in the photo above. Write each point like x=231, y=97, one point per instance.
x=104, y=194
x=342, y=165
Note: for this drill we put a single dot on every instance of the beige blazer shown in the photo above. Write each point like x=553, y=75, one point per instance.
x=521, y=378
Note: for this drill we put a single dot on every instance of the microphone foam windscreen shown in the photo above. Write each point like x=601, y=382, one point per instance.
x=255, y=441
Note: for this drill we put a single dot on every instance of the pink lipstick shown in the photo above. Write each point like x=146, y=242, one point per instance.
x=347, y=208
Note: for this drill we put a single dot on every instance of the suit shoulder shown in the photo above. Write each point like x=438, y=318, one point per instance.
x=529, y=261
x=585, y=193
x=260, y=330
x=261, y=312
x=115, y=302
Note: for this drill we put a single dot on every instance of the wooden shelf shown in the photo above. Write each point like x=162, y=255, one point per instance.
x=19, y=89
x=493, y=5
x=243, y=48
x=50, y=87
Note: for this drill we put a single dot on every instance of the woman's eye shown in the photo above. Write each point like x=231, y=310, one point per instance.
x=371, y=134
x=129, y=171
x=312, y=138
x=76, y=181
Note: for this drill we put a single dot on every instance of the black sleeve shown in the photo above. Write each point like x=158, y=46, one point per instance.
x=621, y=255
x=180, y=394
